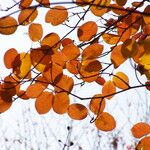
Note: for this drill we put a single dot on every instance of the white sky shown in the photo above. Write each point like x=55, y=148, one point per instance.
x=22, y=121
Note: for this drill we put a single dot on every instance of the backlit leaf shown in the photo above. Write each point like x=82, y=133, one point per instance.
x=108, y=89
x=8, y=25
x=119, y=10
x=121, y=80
x=123, y=31
x=22, y=65
x=27, y=16
x=77, y=111
x=9, y=57
x=66, y=41
x=64, y=84
x=111, y=38
x=44, y=2
x=56, y=15
x=100, y=80
x=89, y=70
x=43, y=103
x=41, y=57
x=42, y=80
x=61, y=103
x=10, y=85
x=121, y=2
x=97, y=105
x=22, y=94
x=4, y=105
x=105, y=122
x=92, y=51
x=140, y=129
x=146, y=17
x=35, y=31
x=52, y=40
x=144, y=59
x=137, y=4
x=116, y=56
x=129, y=48
x=34, y=90
x=144, y=144
x=25, y=4
x=99, y=7
x=87, y=31
x=59, y=58
x=73, y=66
x=53, y=73
x=71, y=51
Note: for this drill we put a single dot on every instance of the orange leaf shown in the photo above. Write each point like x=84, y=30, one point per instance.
x=71, y=51
x=100, y=80
x=87, y=31
x=99, y=7
x=4, y=105
x=116, y=56
x=146, y=29
x=146, y=17
x=66, y=41
x=77, y=111
x=91, y=65
x=140, y=51
x=56, y=15
x=61, y=103
x=97, y=105
x=89, y=70
x=129, y=48
x=41, y=58
x=42, y=80
x=8, y=25
x=121, y=80
x=92, y=51
x=27, y=16
x=53, y=73
x=80, y=3
x=64, y=84
x=144, y=144
x=22, y=65
x=52, y=40
x=22, y=94
x=123, y=31
x=140, y=129
x=111, y=38
x=35, y=31
x=25, y=4
x=121, y=2
x=137, y=4
x=73, y=66
x=119, y=10
x=108, y=89
x=44, y=2
x=9, y=57
x=34, y=90
x=10, y=85
x=105, y=122
x=59, y=58
x=43, y=103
